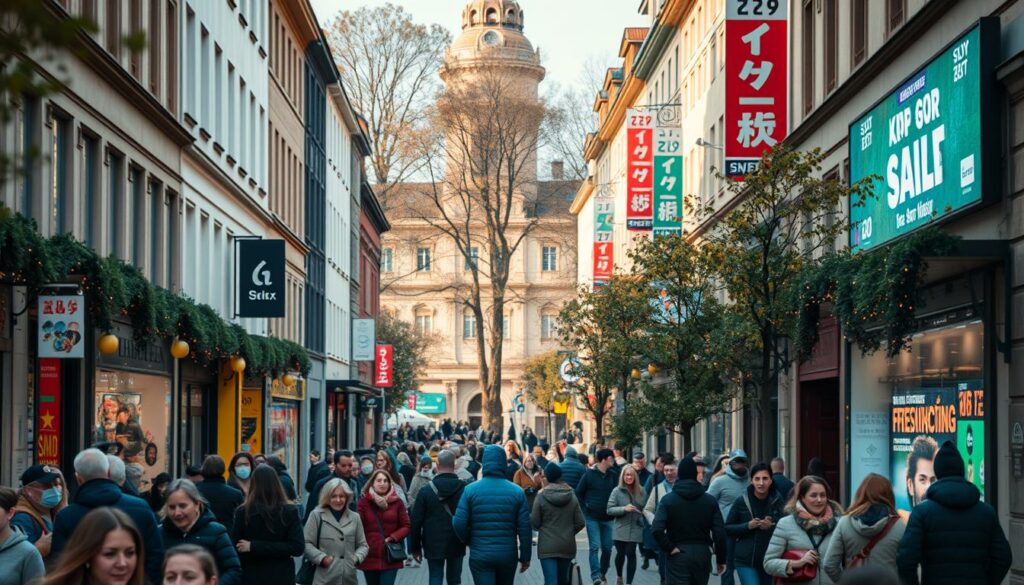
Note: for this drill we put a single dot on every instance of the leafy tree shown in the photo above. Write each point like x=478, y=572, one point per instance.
x=608, y=329
x=411, y=350
x=543, y=383
x=787, y=215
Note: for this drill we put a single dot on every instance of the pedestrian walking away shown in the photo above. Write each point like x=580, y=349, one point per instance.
x=669, y=471
x=626, y=506
x=726, y=489
x=267, y=531
x=557, y=517
x=286, y=479
x=572, y=469
x=386, y=524
x=318, y=470
x=593, y=492
x=493, y=521
x=335, y=541
x=750, y=525
x=20, y=561
x=433, y=537
x=106, y=550
x=802, y=537
x=189, y=564
x=782, y=483
x=222, y=499
x=189, y=520
x=952, y=535
x=870, y=532
x=688, y=526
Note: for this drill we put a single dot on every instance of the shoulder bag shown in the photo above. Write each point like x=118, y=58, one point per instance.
x=805, y=573
x=861, y=557
x=394, y=552
x=447, y=508
x=308, y=569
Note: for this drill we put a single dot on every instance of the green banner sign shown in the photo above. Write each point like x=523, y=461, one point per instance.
x=925, y=142
x=668, y=181
x=431, y=403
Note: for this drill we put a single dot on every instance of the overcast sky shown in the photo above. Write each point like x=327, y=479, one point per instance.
x=569, y=33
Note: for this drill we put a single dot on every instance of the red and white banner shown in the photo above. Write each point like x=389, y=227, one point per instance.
x=384, y=366
x=639, y=170
x=48, y=421
x=603, y=261
x=756, y=81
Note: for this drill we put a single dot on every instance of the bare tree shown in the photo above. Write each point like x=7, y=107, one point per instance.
x=389, y=66
x=571, y=117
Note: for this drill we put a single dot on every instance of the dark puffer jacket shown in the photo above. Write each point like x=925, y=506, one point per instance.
x=431, y=518
x=955, y=538
x=214, y=537
x=223, y=499
x=557, y=517
x=751, y=544
x=689, y=516
x=594, y=491
x=572, y=469
x=492, y=514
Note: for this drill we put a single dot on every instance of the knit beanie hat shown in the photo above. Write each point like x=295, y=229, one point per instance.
x=687, y=469
x=948, y=462
x=553, y=472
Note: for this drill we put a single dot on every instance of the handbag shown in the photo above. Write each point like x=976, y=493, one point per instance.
x=804, y=573
x=308, y=569
x=394, y=552
x=861, y=557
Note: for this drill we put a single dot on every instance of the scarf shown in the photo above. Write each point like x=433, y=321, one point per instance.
x=381, y=501
x=815, y=525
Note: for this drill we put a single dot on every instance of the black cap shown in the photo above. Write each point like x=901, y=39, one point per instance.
x=40, y=474
x=687, y=469
x=553, y=472
x=638, y=455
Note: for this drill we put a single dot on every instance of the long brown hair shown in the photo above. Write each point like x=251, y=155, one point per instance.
x=266, y=496
x=368, y=486
x=803, y=486
x=388, y=467
x=875, y=489
x=92, y=532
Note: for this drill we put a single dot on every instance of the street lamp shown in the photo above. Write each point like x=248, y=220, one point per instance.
x=705, y=144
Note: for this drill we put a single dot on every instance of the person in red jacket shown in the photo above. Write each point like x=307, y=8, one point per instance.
x=385, y=520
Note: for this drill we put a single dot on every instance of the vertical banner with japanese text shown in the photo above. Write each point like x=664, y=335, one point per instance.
x=756, y=71
x=668, y=181
x=639, y=174
x=604, y=221
x=383, y=366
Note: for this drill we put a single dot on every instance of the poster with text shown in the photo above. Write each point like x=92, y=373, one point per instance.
x=668, y=182
x=639, y=170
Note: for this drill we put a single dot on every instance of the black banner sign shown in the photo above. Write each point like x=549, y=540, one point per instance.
x=260, y=278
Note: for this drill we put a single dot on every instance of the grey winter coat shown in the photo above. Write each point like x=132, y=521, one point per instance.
x=557, y=517
x=727, y=488
x=629, y=526
x=853, y=534
x=789, y=536
x=343, y=540
x=20, y=562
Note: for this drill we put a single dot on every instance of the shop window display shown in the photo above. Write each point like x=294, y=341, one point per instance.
x=284, y=432
x=134, y=410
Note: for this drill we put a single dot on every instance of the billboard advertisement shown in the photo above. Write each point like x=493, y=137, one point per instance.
x=668, y=181
x=756, y=69
x=922, y=420
x=639, y=171
x=926, y=143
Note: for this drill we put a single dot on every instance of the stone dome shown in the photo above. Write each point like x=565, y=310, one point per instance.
x=492, y=30
x=503, y=13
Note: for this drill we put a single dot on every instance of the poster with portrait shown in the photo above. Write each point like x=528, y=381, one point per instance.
x=133, y=410
x=922, y=420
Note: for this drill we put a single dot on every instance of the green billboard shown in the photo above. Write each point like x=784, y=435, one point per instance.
x=928, y=143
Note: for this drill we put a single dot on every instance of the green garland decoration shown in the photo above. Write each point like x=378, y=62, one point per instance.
x=872, y=294
x=116, y=290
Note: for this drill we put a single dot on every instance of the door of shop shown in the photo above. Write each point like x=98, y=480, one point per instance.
x=819, y=427
x=198, y=411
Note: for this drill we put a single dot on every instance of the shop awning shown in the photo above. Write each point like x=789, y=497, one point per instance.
x=352, y=387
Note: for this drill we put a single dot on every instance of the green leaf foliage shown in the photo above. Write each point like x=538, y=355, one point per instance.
x=410, y=357
x=542, y=381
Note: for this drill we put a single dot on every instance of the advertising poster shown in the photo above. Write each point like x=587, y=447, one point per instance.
x=383, y=366
x=924, y=142
x=668, y=182
x=922, y=420
x=61, y=322
x=756, y=95
x=639, y=170
x=284, y=431
x=252, y=420
x=134, y=410
x=261, y=276
x=48, y=423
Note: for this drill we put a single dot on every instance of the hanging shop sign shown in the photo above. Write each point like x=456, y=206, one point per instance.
x=430, y=403
x=383, y=366
x=604, y=221
x=48, y=423
x=929, y=143
x=261, y=278
x=61, y=323
x=364, y=337
x=668, y=182
x=639, y=170
x=603, y=262
x=756, y=97
x=922, y=420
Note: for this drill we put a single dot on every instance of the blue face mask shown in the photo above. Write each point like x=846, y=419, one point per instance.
x=51, y=497
x=243, y=472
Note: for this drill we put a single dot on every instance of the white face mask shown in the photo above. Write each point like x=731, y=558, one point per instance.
x=366, y=468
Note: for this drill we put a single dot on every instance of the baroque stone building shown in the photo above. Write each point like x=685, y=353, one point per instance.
x=423, y=272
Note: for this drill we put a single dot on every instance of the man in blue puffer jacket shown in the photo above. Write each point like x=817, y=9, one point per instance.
x=572, y=469
x=492, y=514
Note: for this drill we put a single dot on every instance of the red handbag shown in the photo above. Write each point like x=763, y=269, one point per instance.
x=800, y=575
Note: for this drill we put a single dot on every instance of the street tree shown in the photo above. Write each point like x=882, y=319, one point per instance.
x=786, y=216
x=411, y=352
x=543, y=383
x=607, y=328
x=389, y=65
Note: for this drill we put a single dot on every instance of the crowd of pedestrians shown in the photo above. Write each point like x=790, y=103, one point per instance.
x=461, y=498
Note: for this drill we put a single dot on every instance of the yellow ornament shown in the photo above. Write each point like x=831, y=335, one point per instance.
x=652, y=369
x=108, y=344
x=238, y=364
x=288, y=380
x=179, y=349
x=635, y=374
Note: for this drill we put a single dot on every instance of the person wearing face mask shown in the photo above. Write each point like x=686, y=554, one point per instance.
x=40, y=498
x=188, y=520
x=805, y=533
x=240, y=472
x=727, y=488
x=222, y=499
x=20, y=562
x=365, y=469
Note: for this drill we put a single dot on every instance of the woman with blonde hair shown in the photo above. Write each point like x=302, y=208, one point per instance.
x=626, y=505
x=870, y=532
x=802, y=537
x=106, y=549
x=335, y=540
x=189, y=520
x=529, y=478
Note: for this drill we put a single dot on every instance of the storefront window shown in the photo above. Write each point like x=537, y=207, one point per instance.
x=284, y=433
x=134, y=410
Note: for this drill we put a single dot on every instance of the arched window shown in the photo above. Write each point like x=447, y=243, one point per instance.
x=472, y=17
x=510, y=18
x=492, y=16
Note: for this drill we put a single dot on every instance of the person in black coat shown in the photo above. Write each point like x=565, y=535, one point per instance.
x=687, y=524
x=952, y=535
x=267, y=531
x=222, y=499
x=318, y=469
x=751, y=522
x=284, y=477
x=432, y=536
x=187, y=520
x=782, y=483
x=158, y=492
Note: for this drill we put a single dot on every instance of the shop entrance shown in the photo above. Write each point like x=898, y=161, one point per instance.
x=475, y=412
x=819, y=427
x=198, y=411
